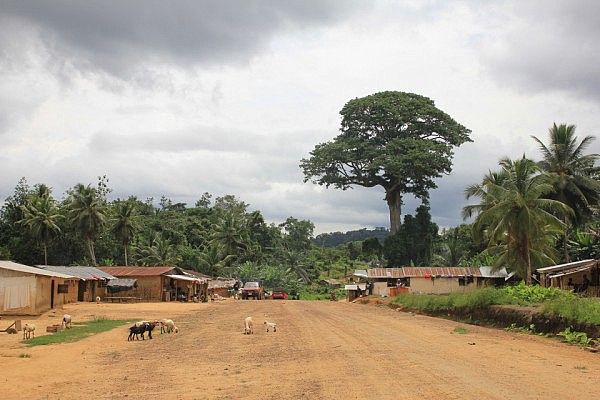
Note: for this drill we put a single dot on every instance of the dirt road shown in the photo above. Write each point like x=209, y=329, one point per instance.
x=321, y=350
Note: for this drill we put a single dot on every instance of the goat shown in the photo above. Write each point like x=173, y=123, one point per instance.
x=98, y=299
x=248, y=326
x=28, y=331
x=271, y=325
x=139, y=328
x=66, y=321
x=168, y=326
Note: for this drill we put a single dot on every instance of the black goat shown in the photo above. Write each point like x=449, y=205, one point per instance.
x=139, y=329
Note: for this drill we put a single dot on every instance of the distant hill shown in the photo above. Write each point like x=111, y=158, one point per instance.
x=336, y=238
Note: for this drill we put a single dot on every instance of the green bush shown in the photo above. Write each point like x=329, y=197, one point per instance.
x=576, y=338
x=524, y=294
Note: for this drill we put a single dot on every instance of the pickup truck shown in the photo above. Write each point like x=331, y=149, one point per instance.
x=254, y=290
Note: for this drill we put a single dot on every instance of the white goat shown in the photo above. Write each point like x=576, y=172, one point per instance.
x=248, y=326
x=168, y=326
x=28, y=331
x=271, y=325
x=98, y=299
x=66, y=321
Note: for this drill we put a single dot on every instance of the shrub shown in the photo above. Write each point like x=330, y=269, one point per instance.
x=576, y=338
x=524, y=294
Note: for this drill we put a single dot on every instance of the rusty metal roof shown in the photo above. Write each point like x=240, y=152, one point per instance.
x=120, y=272
x=425, y=272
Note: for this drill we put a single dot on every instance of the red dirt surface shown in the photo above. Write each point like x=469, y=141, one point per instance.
x=321, y=350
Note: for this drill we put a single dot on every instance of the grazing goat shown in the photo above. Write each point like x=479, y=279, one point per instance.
x=28, y=331
x=66, y=321
x=139, y=328
x=98, y=299
x=168, y=326
x=248, y=326
x=271, y=325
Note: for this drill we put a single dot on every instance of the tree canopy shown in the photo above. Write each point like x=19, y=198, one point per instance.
x=399, y=141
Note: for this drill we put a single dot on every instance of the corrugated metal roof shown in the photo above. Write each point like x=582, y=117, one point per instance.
x=184, y=278
x=196, y=274
x=136, y=271
x=562, y=267
x=123, y=283
x=217, y=283
x=13, y=266
x=488, y=272
x=415, y=272
x=85, y=273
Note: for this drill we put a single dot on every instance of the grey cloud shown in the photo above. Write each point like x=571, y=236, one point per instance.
x=120, y=37
x=543, y=46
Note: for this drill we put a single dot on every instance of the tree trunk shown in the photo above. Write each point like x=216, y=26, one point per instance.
x=126, y=255
x=91, y=250
x=45, y=254
x=565, y=248
x=394, y=201
x=528, y=255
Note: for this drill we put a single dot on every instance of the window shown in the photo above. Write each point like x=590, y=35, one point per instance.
x=62, y=288
x=462, y=281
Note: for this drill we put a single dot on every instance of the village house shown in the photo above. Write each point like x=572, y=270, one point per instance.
x=223, y=287
x=426, y=280
x=580, y=276
x=158, y=283
x=26, y=290
x=92, y=281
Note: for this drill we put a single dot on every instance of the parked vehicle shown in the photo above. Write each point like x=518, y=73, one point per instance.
x=254, y=290
x=279, y=294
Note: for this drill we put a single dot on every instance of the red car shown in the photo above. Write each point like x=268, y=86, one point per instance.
x=279, y=294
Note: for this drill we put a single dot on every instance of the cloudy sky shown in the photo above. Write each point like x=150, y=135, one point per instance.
x=184, y=97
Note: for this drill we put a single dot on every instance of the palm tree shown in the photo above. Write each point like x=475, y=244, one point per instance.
x=159, y=253
x=230, y=235
x=518, y=221
x=124, y=225
x=571, y=174
x=212, y=261
x=87, y=213
x=40, y=216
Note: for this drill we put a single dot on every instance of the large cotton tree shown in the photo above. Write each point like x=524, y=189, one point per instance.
x=399, y=141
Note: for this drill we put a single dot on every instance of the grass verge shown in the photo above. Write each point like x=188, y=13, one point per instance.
x=553, y=301
x=77, y=332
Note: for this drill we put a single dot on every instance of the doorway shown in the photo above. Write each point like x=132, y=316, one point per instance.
x=52, y=294
x=81, y=290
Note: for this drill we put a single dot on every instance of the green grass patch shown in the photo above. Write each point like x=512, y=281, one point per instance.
x=461, y=330
x=321, y=293
x=582, y=310
x=78, y=332
x=553, y=301
x=455, y=301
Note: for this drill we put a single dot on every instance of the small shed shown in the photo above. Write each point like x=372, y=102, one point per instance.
x=579, y=276
x=157, y=283
x=331, y=283
x=92, y=281
x=224, y=287
x=26, y=290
